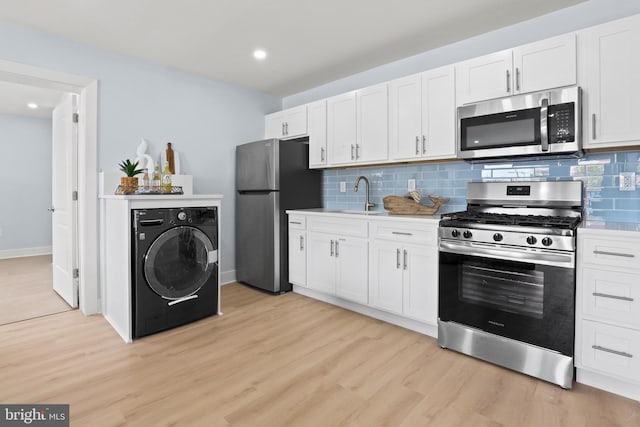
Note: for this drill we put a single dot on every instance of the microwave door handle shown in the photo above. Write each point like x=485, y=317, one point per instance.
x=544, y=134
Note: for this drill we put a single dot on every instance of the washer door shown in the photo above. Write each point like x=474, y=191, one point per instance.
x=177, y=263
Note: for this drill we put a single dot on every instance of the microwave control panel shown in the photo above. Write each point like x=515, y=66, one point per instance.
x=562, y=123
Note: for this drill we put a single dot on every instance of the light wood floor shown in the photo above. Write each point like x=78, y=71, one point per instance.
x=26, y=289
x=279, y=361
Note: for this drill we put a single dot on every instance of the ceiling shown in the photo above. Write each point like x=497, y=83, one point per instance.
x=309, y=43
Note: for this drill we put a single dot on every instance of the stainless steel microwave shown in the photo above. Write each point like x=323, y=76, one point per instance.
x=533, y=124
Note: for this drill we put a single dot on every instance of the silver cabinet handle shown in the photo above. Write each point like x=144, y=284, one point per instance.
x=608, y=350
x=404, y=259
x=322, y=154
x=401, y=233
x=357, y=151
x=508, y=81
x=614, y=254
x=332, y=243
x=593, y=126
x=352, y=155
x=302, y=243
x=282, y=133
x=295, y=222
x=424, y=144
x=599, y=294
x=286, y=128
x=544, y=135
x=398, y=259
x=337, y=253
x=417, y=145
x=518, y=79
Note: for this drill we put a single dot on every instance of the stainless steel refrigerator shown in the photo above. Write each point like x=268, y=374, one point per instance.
x=271, y=176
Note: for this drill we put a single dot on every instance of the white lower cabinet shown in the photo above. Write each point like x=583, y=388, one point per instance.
x=388, y=267
x=404, y=275
x=607, y=306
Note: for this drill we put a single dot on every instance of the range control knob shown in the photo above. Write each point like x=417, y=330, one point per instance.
x=467, y=234
x=455, y=233
x=182, y=215
x=547, y=241
x=531, y=240
x=497, y=237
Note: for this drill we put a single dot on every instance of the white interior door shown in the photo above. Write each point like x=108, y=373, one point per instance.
x=64, y=207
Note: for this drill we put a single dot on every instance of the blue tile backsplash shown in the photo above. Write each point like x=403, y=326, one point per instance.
x=600, y=173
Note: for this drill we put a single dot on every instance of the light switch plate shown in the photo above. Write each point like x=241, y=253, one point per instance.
x=627, y=181
x=411, y=185
x=343, y=186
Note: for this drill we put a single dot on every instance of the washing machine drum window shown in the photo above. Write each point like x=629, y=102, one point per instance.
x=178, y=263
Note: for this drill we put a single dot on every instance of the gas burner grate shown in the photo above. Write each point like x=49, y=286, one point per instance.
x=517, y=220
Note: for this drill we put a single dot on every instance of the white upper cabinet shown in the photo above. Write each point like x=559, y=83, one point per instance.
x=609, y=76
x=317, y=124
x=533, y=67
x=357, y=126
x=341, y=129
x=285, y=124
x=372, y=141
x=422, y=110
x=545, y=64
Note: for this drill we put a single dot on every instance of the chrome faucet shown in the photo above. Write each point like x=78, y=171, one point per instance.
x=367, y=203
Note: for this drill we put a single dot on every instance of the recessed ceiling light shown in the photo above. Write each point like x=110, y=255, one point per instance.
x=32, y=105
x=259, y=54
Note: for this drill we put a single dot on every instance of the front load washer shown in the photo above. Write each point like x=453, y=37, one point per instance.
x=175, y=267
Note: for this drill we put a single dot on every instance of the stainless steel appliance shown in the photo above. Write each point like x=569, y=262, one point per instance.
x=533, y=124
x=507, y=276
x=271, y=176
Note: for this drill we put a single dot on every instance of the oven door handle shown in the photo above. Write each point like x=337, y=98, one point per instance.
x=566, y=260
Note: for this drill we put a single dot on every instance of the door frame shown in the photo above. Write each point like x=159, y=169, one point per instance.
x=87, y=220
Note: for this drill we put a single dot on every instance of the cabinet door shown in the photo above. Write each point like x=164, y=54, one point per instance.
x=351, y=269
x=321, y=263
x=420, y=278
x=545, y=64
x=317, y=123
x=341, y=129
x=386, y=276
x=295, y=121
x=273, y=125
x=372, y=106
x=484, y=78
x=438, y=114
x=611, y=87
x=297, y=257
x=406, y=117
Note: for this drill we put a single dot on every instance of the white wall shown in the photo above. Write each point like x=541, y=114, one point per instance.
x=204, y=119
x=25, y=182
x=582, y=15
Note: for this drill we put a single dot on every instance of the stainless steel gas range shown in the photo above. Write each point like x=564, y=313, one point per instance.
x=507, y=276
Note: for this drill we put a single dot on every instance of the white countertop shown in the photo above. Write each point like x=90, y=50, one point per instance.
x=609, y=226
x=374, y=215
x=161, y=196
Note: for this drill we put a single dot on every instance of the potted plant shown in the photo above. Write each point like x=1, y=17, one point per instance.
x=129, y=183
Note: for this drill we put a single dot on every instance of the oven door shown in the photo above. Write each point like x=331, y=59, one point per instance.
x=521, y=293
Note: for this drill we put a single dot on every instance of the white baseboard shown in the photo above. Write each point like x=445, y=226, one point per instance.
x=227, y=277
x=17, y=253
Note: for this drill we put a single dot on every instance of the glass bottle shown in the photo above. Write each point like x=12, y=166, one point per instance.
x=155, y=181
x=166, y=179
x=145, y=180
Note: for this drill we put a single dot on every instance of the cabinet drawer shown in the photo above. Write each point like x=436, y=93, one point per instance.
x=611, y=296
x=611, y=349
x=419, y=234
x=614, y=253
x=345, y=227
x=297, y=222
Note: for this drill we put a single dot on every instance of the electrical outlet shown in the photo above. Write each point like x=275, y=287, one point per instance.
x=627, y=181
x=343, y=186
x=411, y=184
